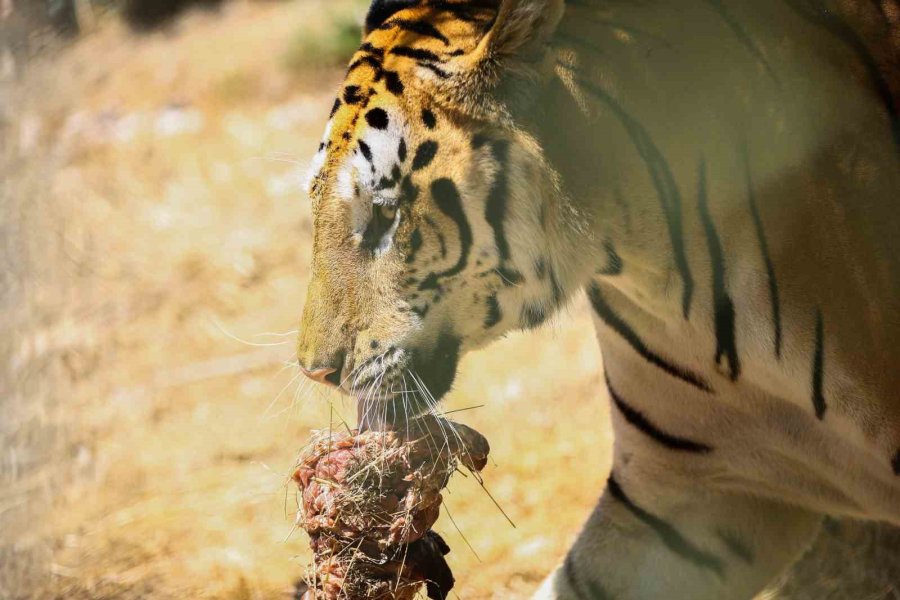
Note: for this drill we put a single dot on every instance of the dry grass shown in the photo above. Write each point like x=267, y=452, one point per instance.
x=155, y=246
x=161, y=179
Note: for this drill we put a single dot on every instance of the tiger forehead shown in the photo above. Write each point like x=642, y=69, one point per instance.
x=413, y=43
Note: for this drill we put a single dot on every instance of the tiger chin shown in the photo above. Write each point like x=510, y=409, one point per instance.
x=718, y=177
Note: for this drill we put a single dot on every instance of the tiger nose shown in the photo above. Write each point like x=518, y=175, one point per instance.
x=325, y=375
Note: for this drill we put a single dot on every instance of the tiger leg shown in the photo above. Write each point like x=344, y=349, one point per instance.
x=678, y=541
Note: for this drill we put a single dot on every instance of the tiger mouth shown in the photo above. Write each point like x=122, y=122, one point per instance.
x=378, y=370
x=401, y=384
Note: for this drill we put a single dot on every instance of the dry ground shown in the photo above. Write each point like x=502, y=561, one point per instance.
x=154, y=239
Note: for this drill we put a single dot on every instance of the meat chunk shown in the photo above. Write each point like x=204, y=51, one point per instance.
x=369, y=500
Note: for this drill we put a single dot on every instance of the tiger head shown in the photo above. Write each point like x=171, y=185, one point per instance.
x=432, y=206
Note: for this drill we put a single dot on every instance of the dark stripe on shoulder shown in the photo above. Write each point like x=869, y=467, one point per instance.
x=582, y=585
x=670, y=537
x=774, y=299
x=663, y=181
x=743, y=37
x=896, y=463
x=722, y=304
x=834, y=24
x=818, y=369
x=617, y=324
x=639, y=421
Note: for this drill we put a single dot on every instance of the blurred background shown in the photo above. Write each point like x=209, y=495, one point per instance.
x=154, y=242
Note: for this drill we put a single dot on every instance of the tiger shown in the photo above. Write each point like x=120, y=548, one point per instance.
x=719, y=177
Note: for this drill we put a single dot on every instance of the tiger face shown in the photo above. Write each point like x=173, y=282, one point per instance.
x=429, y=205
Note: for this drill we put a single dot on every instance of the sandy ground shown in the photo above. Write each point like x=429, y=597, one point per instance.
x=154, y=243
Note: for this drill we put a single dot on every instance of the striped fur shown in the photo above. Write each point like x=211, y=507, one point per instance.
x=720, y=177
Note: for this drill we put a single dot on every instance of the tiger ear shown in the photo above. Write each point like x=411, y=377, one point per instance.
x=522, y=29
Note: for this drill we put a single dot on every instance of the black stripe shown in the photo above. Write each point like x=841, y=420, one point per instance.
x=495, y=207
x=737, y=546
x=367, y=47
x=555, y=288
x=532, y=315
x=366, y=150
x=671, y=537
x=639, y=421
x=479, y=140
x=416, y=53
x=494, y=314
x=440, y=236
x=510, y=277
x=464, y=11
x=353, y=94
x=832, y=22
x=415, y=243
x=540, y=268
x=724, y=307
x=663, y=181
x=434, y=69
x=583, y=590
x=818, y=369
x=767, y=257
x=393, y=83
x=387, y=183
x=448, y=200
x=614, y=264
x=896, y=463
x=615, y=322
x=429, y=119
x=409, y=192
x=743, y=37
x=382, y=10
x=370, y=61
x=425, y=153
x=423, y=28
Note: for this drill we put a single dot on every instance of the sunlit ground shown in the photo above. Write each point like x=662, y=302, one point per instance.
x=158, y=237
x=166, y=177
